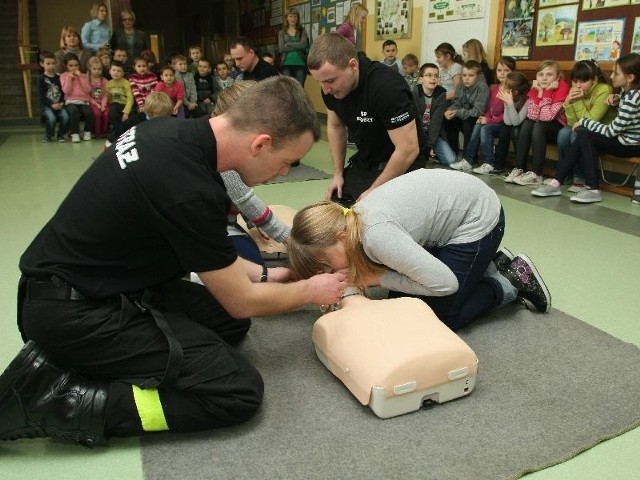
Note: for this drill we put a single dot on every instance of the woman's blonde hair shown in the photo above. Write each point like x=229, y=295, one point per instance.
x=355, y=10
x=70, y=30
x=316, y=228
x=475, y=50
x=229, y=95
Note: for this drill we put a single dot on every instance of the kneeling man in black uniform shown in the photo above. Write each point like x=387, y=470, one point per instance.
x=117, y=344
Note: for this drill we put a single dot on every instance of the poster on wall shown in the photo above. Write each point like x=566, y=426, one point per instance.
x=449, y=10
x=553, y=3
x=593, y=4
x=599, y=40
x=517, y=29
x=393, y=19
x=635, y=41
x=556, y=26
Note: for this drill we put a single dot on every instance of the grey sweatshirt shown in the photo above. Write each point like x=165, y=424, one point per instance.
x=421, y=210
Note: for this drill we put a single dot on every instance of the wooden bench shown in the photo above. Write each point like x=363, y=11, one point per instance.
x=608, y=163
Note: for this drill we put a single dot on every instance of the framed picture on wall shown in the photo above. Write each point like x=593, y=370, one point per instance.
x=635, y=41
x=599, y=40
x=393, y=19
x=593, y=4
x=556, y=26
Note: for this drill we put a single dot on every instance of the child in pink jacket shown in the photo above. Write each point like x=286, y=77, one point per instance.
x=76, y=88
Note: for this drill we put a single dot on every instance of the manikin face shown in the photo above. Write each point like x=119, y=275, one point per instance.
x=336, y=81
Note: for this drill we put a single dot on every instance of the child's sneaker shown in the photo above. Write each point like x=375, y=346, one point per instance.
x=503, y=258
x=75, y=138
x=587, y=196
x=529, y=178
x=515, y=173
x=547, y=190
x=462, y=165
x=484, y=169
x=86, y=136
x=635, y=199
x=46, y=140
x=576, y=187
x=525, y=278
x=61, y=140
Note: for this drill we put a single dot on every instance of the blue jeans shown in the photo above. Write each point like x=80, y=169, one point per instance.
x=444, y=152
x=52, y=116
x=476, y=293
x=565, y=138
x=488, y=133
x=299, y=72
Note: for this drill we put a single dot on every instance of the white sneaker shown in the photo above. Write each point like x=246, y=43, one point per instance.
x=576, y=187
x=515, y=173
x=529, y=178
x=462, y=165
x=86, y=136
x=75, y=138
x=483, y=169
x=587, y=196
x=547, y=190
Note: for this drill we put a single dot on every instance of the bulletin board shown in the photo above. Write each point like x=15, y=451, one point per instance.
x=261, y=20
x=322, y=16
x=568, y=30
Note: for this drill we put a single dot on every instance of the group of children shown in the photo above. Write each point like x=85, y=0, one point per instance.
x=584, y=118
x=107, y=95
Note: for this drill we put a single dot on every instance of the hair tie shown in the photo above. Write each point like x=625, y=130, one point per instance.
x=346, y=211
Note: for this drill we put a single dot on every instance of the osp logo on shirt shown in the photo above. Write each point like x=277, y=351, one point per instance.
x=362, y=118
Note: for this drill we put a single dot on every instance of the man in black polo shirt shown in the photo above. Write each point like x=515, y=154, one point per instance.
x=252, y=67
x=375, y=104
x=117, y=343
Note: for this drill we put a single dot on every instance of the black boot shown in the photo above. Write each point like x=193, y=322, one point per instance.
x=38, y=399
x=524, y=276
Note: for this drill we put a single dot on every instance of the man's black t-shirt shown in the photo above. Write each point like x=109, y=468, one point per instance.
x=382, y=101
x=261, y=71
x=148, y=210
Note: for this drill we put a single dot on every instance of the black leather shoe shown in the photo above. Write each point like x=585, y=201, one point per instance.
x=38, y=399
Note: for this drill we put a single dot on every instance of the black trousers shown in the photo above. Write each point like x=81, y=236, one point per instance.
x=584, y=151
x=117, y=341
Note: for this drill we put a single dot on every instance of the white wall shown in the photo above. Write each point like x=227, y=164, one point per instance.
x=457, y=32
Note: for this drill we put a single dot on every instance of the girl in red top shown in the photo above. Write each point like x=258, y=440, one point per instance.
x=545, y=118
x=175, y=90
